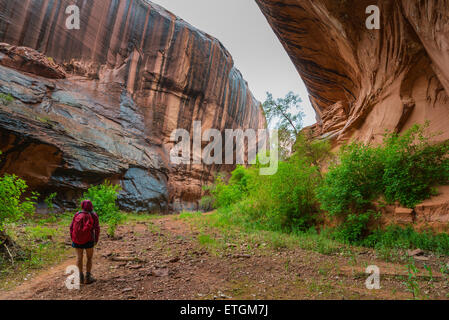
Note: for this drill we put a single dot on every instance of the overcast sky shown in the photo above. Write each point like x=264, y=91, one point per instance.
x=257, y=52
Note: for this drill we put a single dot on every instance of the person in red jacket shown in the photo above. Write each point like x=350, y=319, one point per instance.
x=85, y=232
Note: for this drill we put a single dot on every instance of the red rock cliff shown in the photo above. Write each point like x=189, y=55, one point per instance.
x=362, y=81
x=102, y=101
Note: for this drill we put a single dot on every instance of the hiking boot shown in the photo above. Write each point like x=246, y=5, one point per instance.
x=81, y=278
x=89, y=279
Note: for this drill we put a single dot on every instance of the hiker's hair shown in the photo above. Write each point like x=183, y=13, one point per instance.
x=87, y=206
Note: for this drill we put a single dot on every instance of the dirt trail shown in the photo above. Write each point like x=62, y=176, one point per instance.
x=169, y=263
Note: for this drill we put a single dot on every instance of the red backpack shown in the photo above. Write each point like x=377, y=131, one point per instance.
x=83, y=228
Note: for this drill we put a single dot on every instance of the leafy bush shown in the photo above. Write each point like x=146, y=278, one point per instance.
x=49, y=201
x=12, y=208
x=412, y=166
x=282, y=202
x=405, y=168
x=293, y=194
x=104, y=197
x=226, y=194
x=354, y=182
x=354, y=228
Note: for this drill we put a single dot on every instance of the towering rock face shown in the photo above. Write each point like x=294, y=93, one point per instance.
x=101, y=102
x=362, y=82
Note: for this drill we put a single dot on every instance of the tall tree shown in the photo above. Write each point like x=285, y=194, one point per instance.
x=286, y=115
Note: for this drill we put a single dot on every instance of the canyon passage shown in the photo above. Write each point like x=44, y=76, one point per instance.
x=81, y=106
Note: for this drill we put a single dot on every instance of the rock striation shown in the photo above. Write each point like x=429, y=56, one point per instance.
x=100, y=102
x=362, y=82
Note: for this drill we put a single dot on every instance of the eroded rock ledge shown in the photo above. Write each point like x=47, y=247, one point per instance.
x=362, y=82
x=100, y=102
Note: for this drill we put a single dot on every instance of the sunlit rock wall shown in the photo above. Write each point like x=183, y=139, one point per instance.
x=101, y=101
x=362, y=82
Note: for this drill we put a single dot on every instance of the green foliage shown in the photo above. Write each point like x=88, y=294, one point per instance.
x=352, y=183
x=40, y=232
x=412, y=166
x=281, y=110
x=6, y=98
x=287, y=114
x=227, y=194
x=49, y=201
x=284, y=201
x=407, y=238
x=314, y=152
x=293, y=194
x=412, y=282
x=207, y=203
x=12, y=208
x=104, y=197
x=354, y=228
x=404, y=168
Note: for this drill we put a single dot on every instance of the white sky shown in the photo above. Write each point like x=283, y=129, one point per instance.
x=257, y=52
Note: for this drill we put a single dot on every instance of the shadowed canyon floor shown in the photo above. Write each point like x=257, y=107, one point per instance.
x=174, y=258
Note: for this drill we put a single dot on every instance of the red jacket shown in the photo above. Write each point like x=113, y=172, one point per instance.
x=96, y=228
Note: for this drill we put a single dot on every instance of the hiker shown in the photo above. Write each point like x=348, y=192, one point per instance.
x=85, y=232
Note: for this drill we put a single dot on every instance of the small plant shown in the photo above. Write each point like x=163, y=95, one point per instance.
x=429, y=270
x=49, y=201
x=207, y=203
x=287, y=265
x=104, y=197
x=6, y=98
x=444, y=269
x=412, y=282
x=12, y=208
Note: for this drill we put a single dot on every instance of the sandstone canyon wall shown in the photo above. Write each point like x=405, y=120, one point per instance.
x=100, y=102
x=362, y=82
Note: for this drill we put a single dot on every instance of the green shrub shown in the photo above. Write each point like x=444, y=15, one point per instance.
x=49, y=201
x=354, y=228
x=353, y=182
x=284, y=201
x=226, y=194
x=405, y=168
x=104, y=197
x=12, y=208
x=412, y=166
x=293, y=194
